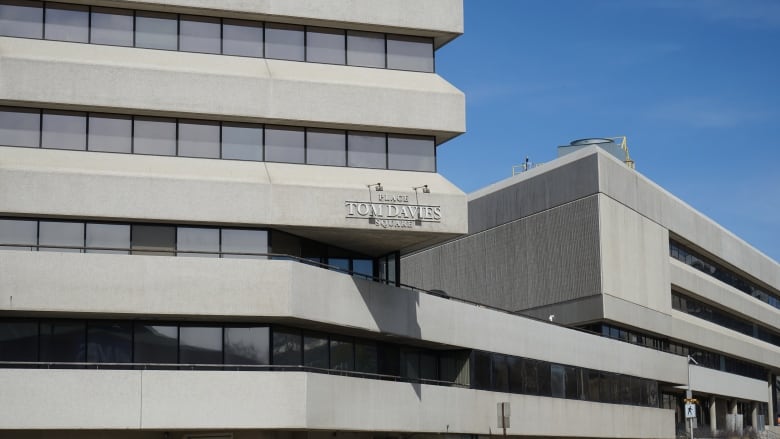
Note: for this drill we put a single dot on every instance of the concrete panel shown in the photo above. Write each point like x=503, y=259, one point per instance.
x=634, y=255
x=571, y=313
x=541, y=259
x=726, y=384
x=631, y=314
x=129, y=80
x=176, y=189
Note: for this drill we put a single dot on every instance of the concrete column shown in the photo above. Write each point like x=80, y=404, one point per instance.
x=733, y=406
x=754, y=415
x=713, y=414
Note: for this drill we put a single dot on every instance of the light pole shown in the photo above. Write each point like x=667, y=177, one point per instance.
x=689, y=392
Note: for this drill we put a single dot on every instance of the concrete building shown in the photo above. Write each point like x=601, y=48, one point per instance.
x=589, y=243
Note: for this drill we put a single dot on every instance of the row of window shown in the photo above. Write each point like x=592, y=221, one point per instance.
x=705, y=265
x=74, y=130
x=192, y=33
x=705, y=358
x=506, y=373
x=698, y=309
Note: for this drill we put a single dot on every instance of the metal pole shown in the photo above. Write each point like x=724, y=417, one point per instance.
x=690, y=391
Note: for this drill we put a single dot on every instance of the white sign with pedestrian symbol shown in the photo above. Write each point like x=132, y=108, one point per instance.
x=690, y=410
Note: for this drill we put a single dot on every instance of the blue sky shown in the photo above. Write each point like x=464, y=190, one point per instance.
x=694, y=84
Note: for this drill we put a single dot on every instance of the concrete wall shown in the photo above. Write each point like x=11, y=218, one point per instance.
x=216, y=400
x=715, y=382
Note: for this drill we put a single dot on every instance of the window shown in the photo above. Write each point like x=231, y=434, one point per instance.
x=287, y=347
x=154, y=135
x=156, y=30
x=242, y=141
x=110, y=342
x=342, y=356
x=200, y=345
x=199, y=34
x=111, y=26
x=17, y=233
x=63, y=236
x=367, y=150
x=409, y=53
x=363, y=267
x=284, y=144
x=153, y=240
x=240, y=37
x=67, y=22
x=21, y=18
x=412, y=153
x=366, y=49
x=480, y=375
x=324, y=45
x=64, y=130
x=247, y=345
x=108, y=238
x=110, y=133
x=557, y=381
x=198, y=139
x=192, y=240
x=18, y=340
x=500, y=373
x=63, y=341
x=239, y=241
x=315, y=350
x=155, y=343
x=365, y=357
x=410, y=363
x=20, y=126
x=284, y=41
x=326, y=147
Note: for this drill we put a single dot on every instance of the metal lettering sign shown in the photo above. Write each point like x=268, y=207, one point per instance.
x=393, y=212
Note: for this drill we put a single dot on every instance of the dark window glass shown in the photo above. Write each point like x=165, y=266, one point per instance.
x=480, y=371
x=110, y=133
x=17, y=233
x=515, y=366
x=67, y=22
x=454, y=367
x=20, y=18
x=572, y=383
x=154, y=240
x=287, y=347
x=18, y=340
x=389, y=359
x=594, y=385
x=242, y=141
x=199, y=34
x=247, y=345
x=241, y=37
x=411, y=153
x=557, y=381
x=156, y=344
x=284, y=41
x=111, y=26
x=429, y=366
x=109, y=342
x=636, y=391
x=64, y=130
x=651, y=393
x=200, y=345
x=191, y=240
x=366, y=357
x=326, y=147
x=363, y=267
x=367, y=150
x=341, y=353
x=198, y=139
x=244, y=241
x=500, y=373
x=154, y=135
x=339, y=263
x=409, y=53
x=366, y=49
x=63, y=341
x=62, y=236
x=284, y=144
x=530, y=377
x=20, y=126
x=315, y=350
x=410, y=363
x=543, y=371
x=325, y=45
x=285, y=244
x=108, y=236
x=156, y=30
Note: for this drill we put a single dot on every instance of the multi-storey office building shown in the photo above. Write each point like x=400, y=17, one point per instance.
x=590, y=243
x=202, y=209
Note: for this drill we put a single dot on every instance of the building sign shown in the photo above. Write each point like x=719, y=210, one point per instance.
x=393, y=211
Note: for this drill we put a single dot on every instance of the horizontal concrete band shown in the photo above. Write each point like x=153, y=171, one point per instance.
x=44, y=399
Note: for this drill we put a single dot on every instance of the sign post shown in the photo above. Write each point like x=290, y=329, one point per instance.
x=503, y=416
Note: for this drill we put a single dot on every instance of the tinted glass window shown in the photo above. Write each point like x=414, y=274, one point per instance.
x=200, y=345
x=284, y=144
x=156, y=30
x=63, y=341
x=365, y=49
x=364, y=267
x=20, y=126
x=64, y=130
x=154, y=135
x=409, y=53
x=500, y=373
x=367, y=150
x=429, y=366
x=284, y=41
x=241, y=37
x=410, y=363
x=190, y=240
x=199, y=34
x=61, y=234
x=108, y=236
x=341, y=353
x=326, y=147
x=365, y=357
x=557, y=381
x=67, y=22
x=153, y=240
x=480, y=375
x=389, y=356
x=544, y=378
x=325, y=45
x=287, y=347
x=110, y=133
x=572, y=382
x=18, y=340
x=530, y=377
x=18, y=232
x=198, y=139
x=244, y=241
x=111, y=26
x=515, y=374
x=594, y=385
x=247, y=345
x=411, y=153
x=242, y=141
x=156, y=343
x=315, y=350
x=20, y=18
x=109, y=342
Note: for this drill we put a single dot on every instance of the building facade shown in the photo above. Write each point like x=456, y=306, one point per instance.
x=589, y=243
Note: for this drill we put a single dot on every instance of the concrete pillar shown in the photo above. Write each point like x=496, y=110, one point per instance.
x=754, y=415
x=713, y=415
x=733, y=406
